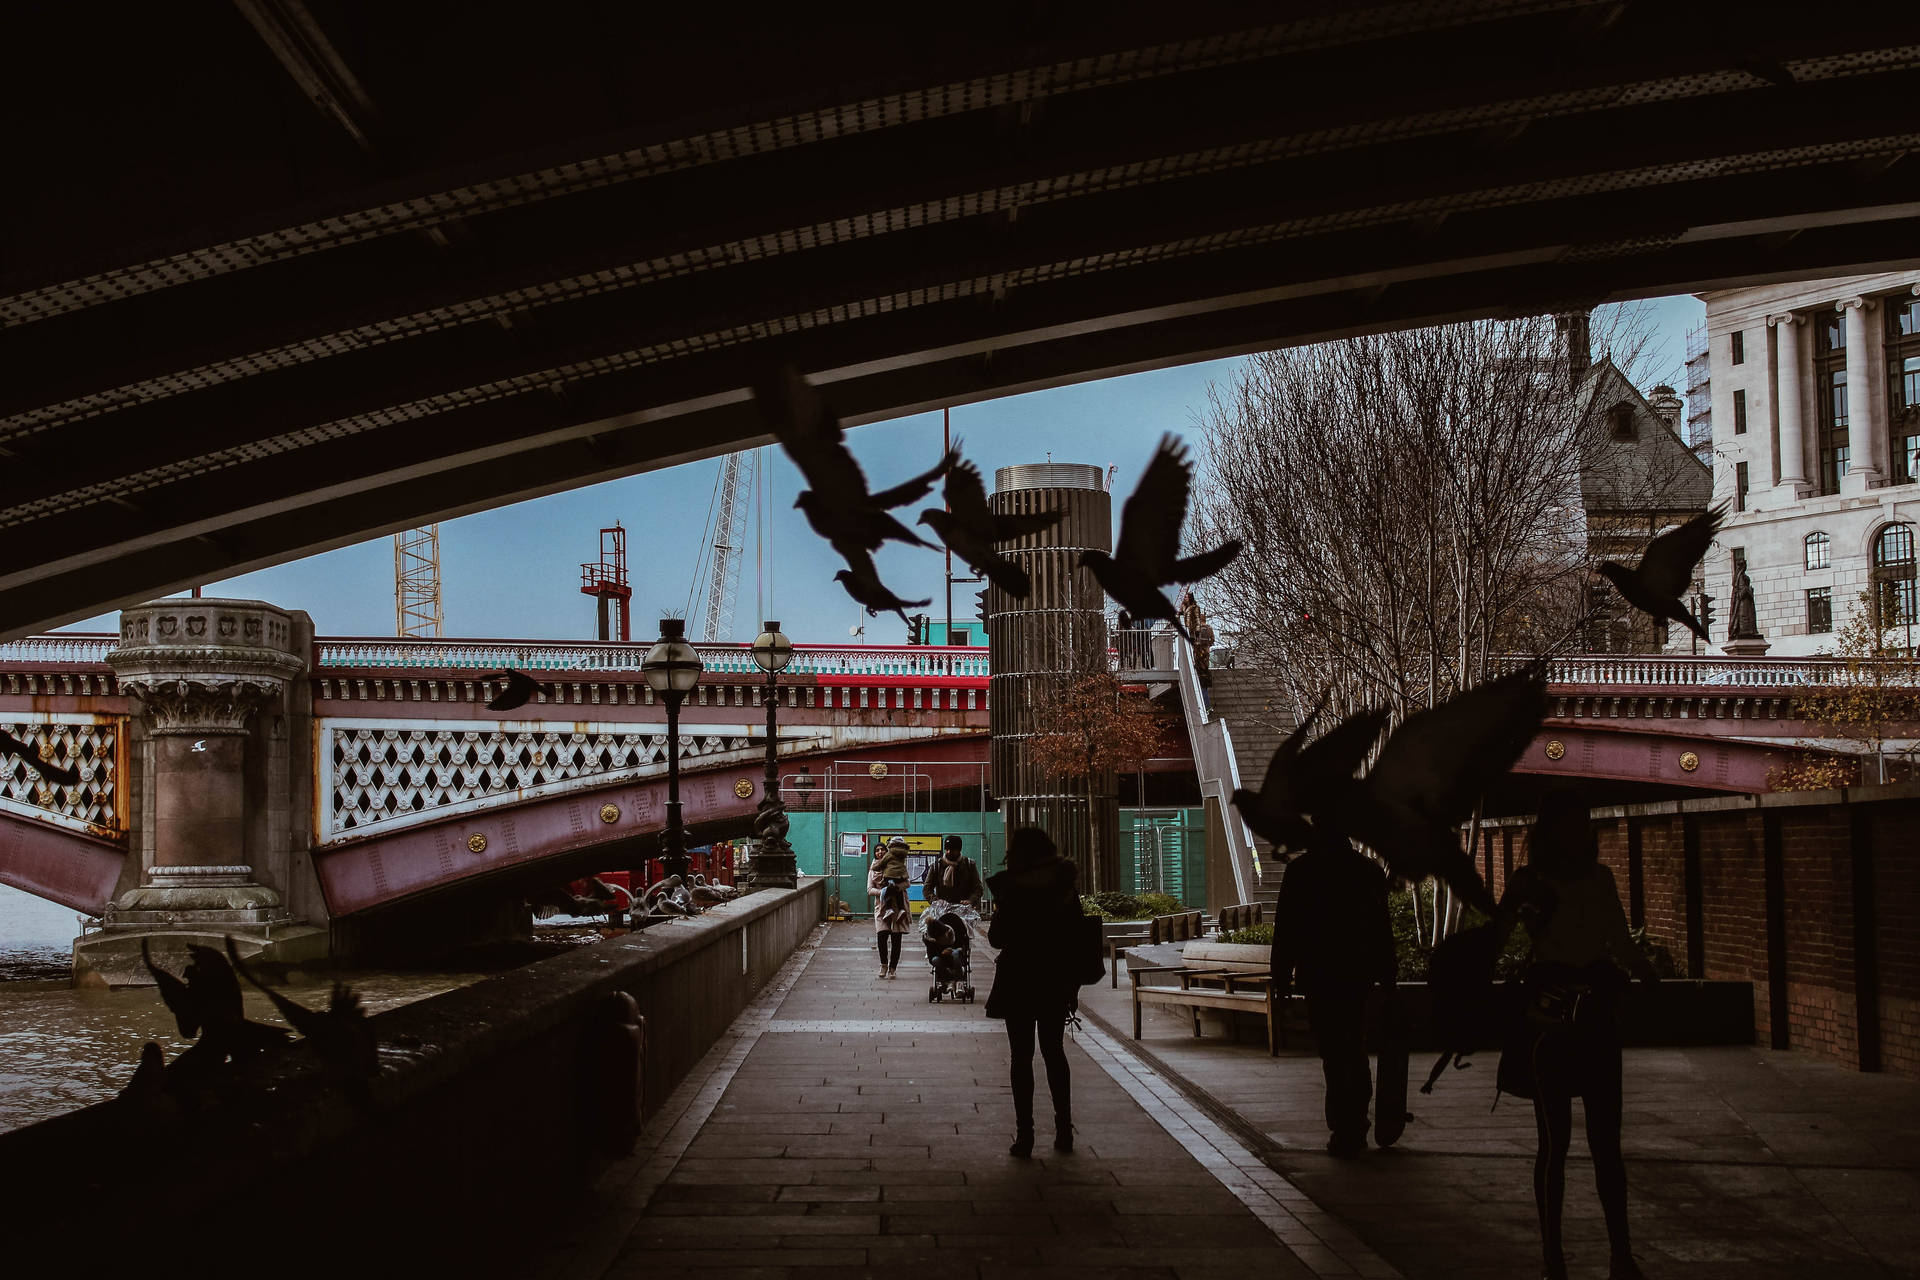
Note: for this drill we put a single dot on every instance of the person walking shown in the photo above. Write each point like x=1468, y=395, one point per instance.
x=1036, y=902
x=952, y=877
x=887, y=886
x=1582, y=951
x=1331, y=929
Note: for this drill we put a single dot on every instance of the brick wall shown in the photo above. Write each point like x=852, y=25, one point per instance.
x=1833, y=954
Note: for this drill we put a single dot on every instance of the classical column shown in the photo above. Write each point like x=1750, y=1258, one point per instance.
x=200, y=671
x=1863, y=466
x=1789, y=369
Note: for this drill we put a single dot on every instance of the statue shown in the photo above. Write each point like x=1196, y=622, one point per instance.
x=1743, y=624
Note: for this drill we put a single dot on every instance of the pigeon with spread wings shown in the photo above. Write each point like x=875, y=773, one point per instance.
x=1303, y=777
x=519, y=691
x=1655, y=585
x=340, y=1033
x=1432, y=771
x=972, y=531
x=862, y=582
x=1148, y=556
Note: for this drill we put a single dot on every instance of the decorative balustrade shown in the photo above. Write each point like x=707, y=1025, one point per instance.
x=78, y=649
x=936, y=661
x=1659, y=671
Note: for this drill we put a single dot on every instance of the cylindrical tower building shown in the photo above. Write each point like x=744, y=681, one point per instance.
x=1038, y=646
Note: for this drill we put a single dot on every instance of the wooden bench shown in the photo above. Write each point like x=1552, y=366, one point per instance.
x=1116, y=936
x=1183, y=926
x=1215, y=975
x=1242, y=915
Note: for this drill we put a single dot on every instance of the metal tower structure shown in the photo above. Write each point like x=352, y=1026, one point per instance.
x=416, y=582
x=605, y=580
x=729, y=543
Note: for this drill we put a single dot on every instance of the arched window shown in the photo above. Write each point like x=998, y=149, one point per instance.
x=1893, y=593
x=1819, y=551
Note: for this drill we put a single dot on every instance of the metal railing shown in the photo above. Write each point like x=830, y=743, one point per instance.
x=940, y=661
x=1656, y=671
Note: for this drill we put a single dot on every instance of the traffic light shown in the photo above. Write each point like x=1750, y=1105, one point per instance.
x=1706, y=612
x=980, y=608
x=917, y=629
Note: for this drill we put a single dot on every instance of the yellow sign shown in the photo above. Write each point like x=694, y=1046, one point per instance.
x=915, y=844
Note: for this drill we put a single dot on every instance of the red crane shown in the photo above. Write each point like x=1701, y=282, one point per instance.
x=606, y=580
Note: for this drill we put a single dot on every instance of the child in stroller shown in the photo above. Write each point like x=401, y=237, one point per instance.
x=950, y=952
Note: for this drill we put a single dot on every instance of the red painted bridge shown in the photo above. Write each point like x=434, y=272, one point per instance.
x=406, y=784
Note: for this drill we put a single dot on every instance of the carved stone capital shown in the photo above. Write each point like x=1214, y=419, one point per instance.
x=1863, y=304
x=1785, y=318
x=205, y=666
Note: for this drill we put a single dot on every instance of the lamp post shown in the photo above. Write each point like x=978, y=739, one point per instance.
x=671, y=669
x=773, y=864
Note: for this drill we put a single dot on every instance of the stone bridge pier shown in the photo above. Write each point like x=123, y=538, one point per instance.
x=221, y=806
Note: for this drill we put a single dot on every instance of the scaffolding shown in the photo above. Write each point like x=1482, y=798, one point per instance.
x=605, y=580
x=1699, y=392
x=416, y=582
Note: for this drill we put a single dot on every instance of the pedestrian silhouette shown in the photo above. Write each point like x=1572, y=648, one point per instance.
x=1331, y=933
x=1036, y=906
x=1569, y=1041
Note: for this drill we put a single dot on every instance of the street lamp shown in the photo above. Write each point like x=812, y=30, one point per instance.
x=671, y=669
x=773, y=864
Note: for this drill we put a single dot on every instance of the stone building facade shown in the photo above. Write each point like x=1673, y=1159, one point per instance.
x=1816, y=453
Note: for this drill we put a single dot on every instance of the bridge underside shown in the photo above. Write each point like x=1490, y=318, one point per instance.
x=518, y=252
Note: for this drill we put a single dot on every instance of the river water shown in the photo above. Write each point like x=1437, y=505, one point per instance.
x=62, y=1047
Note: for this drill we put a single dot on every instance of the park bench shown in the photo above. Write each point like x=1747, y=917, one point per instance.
x=1234, y=978
x=1118, y=935
x=1182, y=926
x=1242, y=915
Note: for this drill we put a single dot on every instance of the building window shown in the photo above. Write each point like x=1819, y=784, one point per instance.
x=1819, y=551
x=1830, y=376
x=1738, y=342
x=1903, y=396
x=1893, y=595
x=1819, y=610
x=1739, y=486
x=1620, y=421
x=1739, y=412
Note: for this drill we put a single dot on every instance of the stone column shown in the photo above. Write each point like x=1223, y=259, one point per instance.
x=201, y=671
x=1789, y=368
x=1863, y=465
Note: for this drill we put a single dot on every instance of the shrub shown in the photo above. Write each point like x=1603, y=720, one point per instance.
x=1160, y=904
x=1253, y=935
x=1112, y=905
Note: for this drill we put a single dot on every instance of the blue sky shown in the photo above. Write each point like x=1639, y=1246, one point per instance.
x=515, y=571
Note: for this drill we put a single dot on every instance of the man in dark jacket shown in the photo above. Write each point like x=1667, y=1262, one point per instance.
x=1332, y=930
x=952, y=877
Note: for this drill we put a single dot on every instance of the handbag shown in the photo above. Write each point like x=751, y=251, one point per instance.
x=1089, y=951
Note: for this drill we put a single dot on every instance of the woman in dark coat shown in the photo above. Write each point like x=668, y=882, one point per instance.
x=1035, y=903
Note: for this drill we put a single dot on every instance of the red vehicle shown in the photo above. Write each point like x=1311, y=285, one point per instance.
x=715, y=862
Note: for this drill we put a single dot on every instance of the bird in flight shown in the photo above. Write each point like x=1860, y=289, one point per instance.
x=1148, y=556
x=62, y=775
x=862, y=582
x=972, y=531
x=205, y=1003
x=340, y=1033
x=1654, y=586
x=519, y=691
x=1302, y=777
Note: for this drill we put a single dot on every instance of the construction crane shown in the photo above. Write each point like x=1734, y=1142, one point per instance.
x=416, y=582
x=605, y=580
x=729, y=523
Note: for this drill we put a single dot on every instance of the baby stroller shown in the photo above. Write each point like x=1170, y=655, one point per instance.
x=949, y=942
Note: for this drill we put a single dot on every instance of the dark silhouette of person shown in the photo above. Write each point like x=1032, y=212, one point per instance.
x=952, y=877
x=1036, y=901
x=1331, y=931
x=1570, y=905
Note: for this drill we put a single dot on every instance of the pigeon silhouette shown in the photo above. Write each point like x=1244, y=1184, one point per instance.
x=862, y=582
x=837, y=501
x=1432, y=771
x=1654, y=586
x=340, y=1033
x=1148, y=556
x=972, y=531
x=1302, y=778
x=63, y=775
x=519, y=691
x=205, y=1003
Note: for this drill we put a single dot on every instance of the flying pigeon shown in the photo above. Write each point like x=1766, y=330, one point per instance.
x=207, y=1004
x=1148, y=556
x=972, y=531
x=340, y=1033
x=862, y=582
x=1301, y=778
x=519, y=691
x=1655, y=584
x=1432, y=771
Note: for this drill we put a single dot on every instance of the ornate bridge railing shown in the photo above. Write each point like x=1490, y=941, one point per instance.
x=937, y=661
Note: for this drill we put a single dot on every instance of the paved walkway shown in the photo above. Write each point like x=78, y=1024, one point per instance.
x=846, y=1127
x=1741, y=1162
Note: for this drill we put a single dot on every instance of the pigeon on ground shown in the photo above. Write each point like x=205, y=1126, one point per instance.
x=61, y=775
x=1302, y=778
x=1148, y=556
x=972, y=531
x=206, y=1004
x=519, y=691
x=1655, y=585
x=1433, y=770
x=862, y=582
x=341, y=1033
